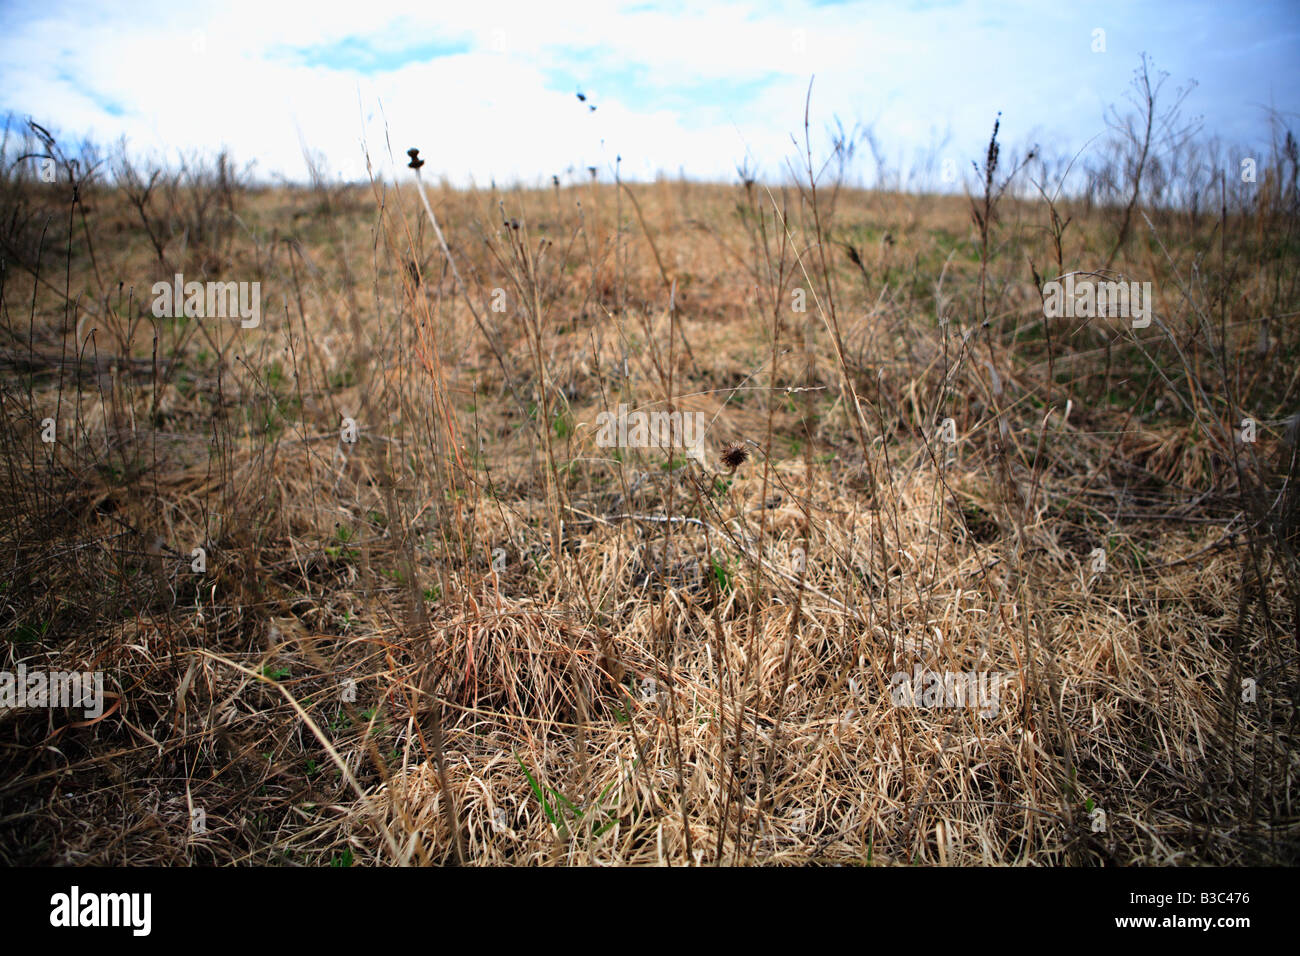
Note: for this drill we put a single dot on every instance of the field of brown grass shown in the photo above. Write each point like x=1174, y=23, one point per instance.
x=435, y=621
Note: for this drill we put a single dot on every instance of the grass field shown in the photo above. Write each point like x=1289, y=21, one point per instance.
x=951, y=582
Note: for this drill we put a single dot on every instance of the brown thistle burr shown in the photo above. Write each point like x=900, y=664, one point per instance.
x=733, y=456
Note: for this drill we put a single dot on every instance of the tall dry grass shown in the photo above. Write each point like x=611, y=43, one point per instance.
x=473, y=635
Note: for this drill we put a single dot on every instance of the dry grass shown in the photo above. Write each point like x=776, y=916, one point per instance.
x=473, y=635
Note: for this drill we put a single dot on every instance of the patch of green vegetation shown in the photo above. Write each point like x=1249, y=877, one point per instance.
x=339, y=553
x=862, y=234
x=563, y=425
x=560, y=811
x=274, y=375
x=721, y=571
x=944, y=244
x=27, y=633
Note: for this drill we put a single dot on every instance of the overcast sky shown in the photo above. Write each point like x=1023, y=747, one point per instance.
x=489, y=89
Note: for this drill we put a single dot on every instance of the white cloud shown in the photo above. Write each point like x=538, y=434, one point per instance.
x=669, y=83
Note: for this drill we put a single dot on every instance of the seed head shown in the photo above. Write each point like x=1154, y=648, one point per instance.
x=416, y=162
x=734, y=455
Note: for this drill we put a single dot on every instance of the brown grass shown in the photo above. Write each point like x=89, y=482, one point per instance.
x=563, y=655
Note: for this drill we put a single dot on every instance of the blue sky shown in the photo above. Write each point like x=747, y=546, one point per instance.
x=487, y=89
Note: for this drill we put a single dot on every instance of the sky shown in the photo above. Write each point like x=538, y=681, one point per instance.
x=488, y=91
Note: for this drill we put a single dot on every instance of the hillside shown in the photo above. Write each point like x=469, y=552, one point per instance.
x=948, y=581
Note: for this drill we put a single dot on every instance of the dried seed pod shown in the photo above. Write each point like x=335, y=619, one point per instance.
x=734, y=455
